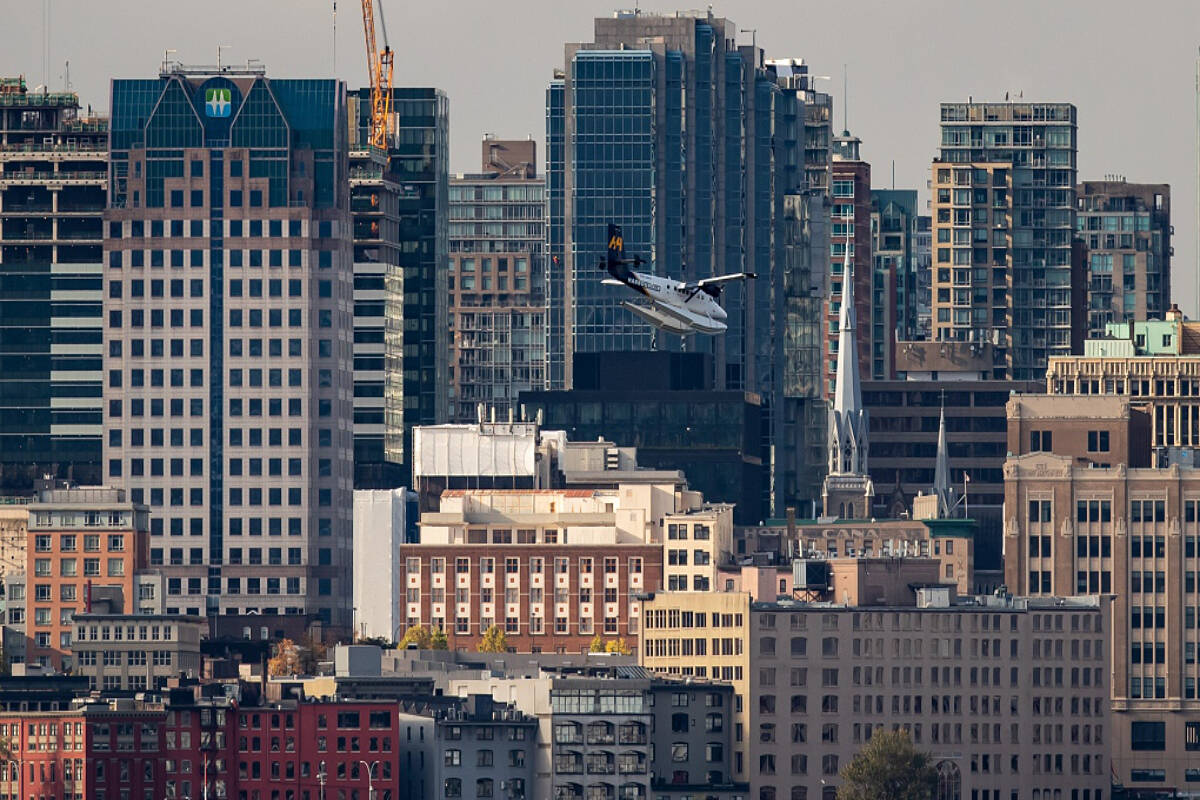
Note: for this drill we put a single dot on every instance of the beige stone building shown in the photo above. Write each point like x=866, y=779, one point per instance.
x=14, y=534
x=136, y=652
x=1086, y=513
x=1009, y=695
x=948, y=540
x=1074, y=527
x=699, y=542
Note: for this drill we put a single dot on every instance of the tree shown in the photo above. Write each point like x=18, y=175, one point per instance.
x=597, y=645
x=417, y=635
x=286, y=660
x=382, y=642
x=438, y=640
x=619, y=647
x=888, y=767
x=493, y=641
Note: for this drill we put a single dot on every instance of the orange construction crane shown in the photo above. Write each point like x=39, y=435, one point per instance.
x=379, y=70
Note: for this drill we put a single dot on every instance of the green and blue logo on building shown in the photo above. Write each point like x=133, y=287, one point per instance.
x=217, y=102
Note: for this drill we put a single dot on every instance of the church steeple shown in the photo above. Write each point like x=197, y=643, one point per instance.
x=941, y=472
x=848, y=489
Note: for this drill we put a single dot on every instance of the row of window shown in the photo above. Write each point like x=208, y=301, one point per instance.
x=137, y=229
x=512, y=566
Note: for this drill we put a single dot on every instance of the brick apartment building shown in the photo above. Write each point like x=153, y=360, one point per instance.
x=555, y=568
x=80, y=541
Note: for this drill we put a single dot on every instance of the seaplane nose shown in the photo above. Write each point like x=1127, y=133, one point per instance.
x=720, y=313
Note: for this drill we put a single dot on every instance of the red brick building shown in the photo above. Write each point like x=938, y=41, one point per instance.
x=127, y=750
x=546, y=598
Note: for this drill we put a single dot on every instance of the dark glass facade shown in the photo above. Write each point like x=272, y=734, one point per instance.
x=416, y=314
x=713, y=437
x=52, y=180
x=672, y=131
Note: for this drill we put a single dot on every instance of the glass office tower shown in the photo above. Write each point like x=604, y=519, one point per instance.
x=53, y=162
x=672, y=130
x=401, y=262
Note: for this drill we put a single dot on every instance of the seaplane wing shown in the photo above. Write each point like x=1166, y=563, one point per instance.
x=719, y=279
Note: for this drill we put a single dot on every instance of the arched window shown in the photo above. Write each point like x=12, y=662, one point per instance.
x=949, y=781
x=766, y=793
x=483, y=787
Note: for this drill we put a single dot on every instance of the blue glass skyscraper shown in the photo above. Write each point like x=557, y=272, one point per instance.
x=666, y=126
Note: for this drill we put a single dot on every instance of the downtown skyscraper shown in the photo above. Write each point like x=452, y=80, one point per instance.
x=228, y=332
x=1006, y=270
x=666, y=126
x=53, y=161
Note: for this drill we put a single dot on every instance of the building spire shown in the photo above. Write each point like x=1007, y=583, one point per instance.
x=847, y=396
x=848, y=487
x=941, y=472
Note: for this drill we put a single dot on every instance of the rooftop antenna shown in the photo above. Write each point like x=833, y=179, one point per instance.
x=845, y=99
x=1198, y=181
x=46, y=46
x=335, y=38
x=167, y=58
x=67, y=76
x=221, y=47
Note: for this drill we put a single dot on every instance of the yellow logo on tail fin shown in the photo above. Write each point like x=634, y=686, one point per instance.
x=615, y=243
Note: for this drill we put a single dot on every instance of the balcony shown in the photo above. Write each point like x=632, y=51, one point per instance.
x=44, y=178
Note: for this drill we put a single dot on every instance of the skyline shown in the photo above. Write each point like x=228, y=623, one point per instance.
x=896, y=119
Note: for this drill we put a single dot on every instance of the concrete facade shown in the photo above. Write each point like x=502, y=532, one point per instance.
x=1074, y=528
x=1005, y=267
x=1127, y=230
x=484, y=749
x=982, y=683
x=229, y=280
x=381, y=526
x=136, y=652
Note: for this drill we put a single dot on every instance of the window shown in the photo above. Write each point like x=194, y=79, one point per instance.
x=1097, y=441
x=1041, y=441
x=1148, y=736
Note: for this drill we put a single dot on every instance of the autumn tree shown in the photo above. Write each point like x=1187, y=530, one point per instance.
x=888, y=767
x=438, y=640
x=418, y=636
x=493, y=641
x=619, y=647
x=286, y=660
x=597, y=645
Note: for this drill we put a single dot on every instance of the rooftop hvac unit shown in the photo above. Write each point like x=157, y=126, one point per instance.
x=612, y=458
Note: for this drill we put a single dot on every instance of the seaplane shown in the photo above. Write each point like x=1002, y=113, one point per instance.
x=675, y=306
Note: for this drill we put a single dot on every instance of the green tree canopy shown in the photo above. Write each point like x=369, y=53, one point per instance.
x=438, y=640
x=888, y=768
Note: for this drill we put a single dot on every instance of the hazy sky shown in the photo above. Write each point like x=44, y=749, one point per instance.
x=1129, y=67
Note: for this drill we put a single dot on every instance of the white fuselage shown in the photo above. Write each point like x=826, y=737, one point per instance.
x=676, y=307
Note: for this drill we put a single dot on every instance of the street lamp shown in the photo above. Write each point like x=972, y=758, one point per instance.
x=370, y=778
x=321, y=778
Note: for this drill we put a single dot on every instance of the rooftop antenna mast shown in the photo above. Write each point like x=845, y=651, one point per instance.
x=845, y=99
x=45, y=46
x=335, y=38
x=1198, y=183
